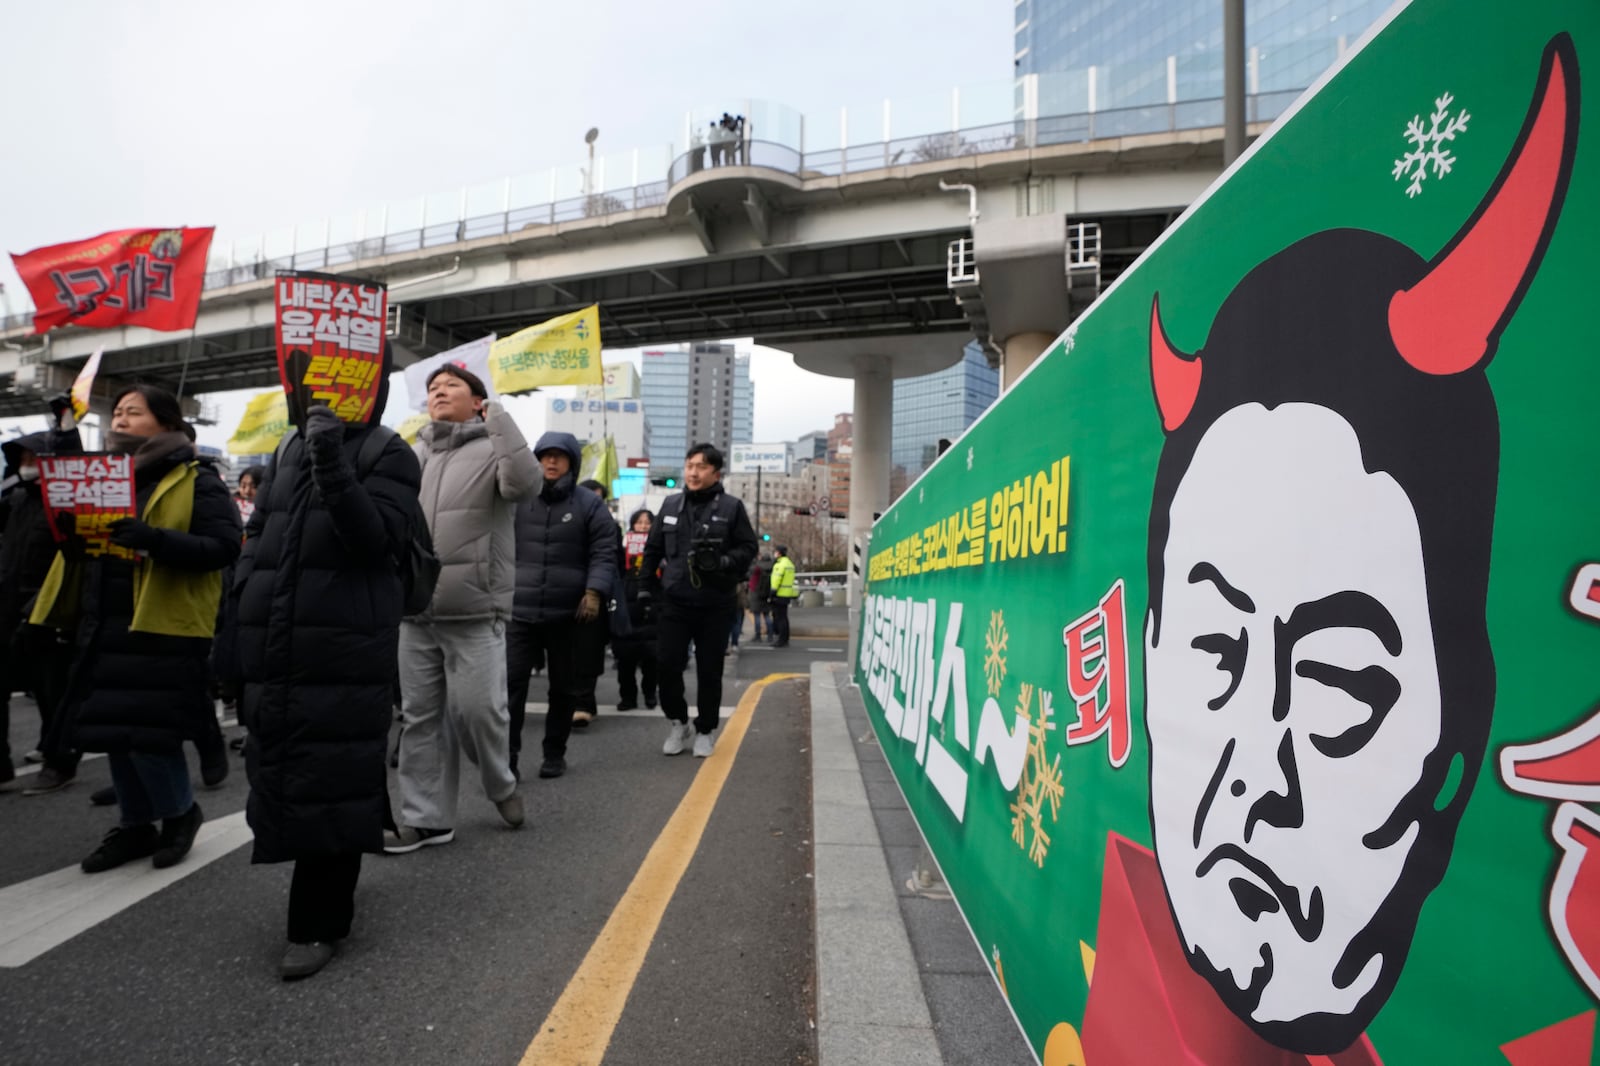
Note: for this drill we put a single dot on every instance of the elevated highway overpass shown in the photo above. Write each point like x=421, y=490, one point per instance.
x=875, y=262
x=795, y=250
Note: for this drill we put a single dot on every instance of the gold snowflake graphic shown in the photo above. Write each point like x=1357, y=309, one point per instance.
x=1040, y=786
x=994, y=652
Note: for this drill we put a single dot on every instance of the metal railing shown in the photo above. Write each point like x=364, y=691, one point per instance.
x=960, y=264
x=1083, y=246
x=1020, y=134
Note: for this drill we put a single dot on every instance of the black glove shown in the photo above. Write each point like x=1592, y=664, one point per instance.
x=134, y=534
x=60, y=404
x=324, y=435
x=647, y=606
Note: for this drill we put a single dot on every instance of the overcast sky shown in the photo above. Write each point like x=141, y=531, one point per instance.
x=255, y=117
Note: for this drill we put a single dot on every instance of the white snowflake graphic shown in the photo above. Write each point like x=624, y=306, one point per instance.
x=969, y=458
x=1428, y=144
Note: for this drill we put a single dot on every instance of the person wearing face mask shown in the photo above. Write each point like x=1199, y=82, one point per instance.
x=26, y=550
x=475, y=467
x=141, y=629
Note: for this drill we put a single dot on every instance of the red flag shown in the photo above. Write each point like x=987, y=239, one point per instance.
x=133, y=277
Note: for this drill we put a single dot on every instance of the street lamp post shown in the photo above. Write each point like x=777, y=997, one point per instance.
x=588, y=175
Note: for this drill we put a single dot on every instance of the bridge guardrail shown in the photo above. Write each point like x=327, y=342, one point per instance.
x=921, y=148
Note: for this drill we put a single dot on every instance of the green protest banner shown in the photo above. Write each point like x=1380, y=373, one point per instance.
x=1241, y=666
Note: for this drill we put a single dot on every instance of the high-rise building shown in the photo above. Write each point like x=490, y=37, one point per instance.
x=811, y=446
x=942, y=404
x=1099, y=55
x=699, y=393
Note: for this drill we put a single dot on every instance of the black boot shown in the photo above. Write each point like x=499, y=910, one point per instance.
x=213, y=761
x=177, y=837
x=123, y=844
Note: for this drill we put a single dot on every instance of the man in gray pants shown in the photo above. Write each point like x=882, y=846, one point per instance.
x=475, y=466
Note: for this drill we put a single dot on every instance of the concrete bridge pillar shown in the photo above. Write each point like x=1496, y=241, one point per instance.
x=1020, y=351
x=1030, y=289
x=870, y=449
x=873, y=364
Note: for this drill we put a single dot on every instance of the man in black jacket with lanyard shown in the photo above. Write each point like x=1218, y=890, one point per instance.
x=699, y=550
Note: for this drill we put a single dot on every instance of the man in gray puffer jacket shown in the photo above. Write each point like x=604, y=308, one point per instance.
x=475, y=466
x=566, y=566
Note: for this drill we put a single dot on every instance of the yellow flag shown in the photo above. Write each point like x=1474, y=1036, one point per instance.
x=265, y=421
x=563, y=351
x=83, y=385
x=599, y=463
x=408, y=428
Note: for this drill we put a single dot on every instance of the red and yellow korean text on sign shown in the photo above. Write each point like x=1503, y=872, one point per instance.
x=330, y=342
x=96, y=489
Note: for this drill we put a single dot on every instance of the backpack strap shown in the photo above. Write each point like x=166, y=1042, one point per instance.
x=283, y=446
x=371, y=451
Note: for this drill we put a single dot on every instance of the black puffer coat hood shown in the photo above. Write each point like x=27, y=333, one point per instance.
x=565, y=442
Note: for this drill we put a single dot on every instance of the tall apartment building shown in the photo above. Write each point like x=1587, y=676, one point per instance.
x=701, y=392
x=1099, y=55
x=941, y=404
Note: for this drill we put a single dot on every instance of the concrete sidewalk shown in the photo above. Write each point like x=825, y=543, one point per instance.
x=899, y=978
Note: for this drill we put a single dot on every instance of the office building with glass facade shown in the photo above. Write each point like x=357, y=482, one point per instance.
x=699, y=393
x=1101, y=55
x=937, y=405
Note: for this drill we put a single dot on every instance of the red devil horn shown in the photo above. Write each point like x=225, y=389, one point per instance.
x=1451, y=320
x=1176, y=376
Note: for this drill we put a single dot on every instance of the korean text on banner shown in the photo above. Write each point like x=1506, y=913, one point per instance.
x=1238, y=666
x=562, y=351
x=330, y=342
x=472, y=356
x=95, y=489
x=83, y=384
x=131, y=277
x=265, y=421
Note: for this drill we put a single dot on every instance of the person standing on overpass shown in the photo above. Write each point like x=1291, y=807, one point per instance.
x=783, y=594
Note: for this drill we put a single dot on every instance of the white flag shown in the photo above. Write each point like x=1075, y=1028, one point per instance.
x=473, y=356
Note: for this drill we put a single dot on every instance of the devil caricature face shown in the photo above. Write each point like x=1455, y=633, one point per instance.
x=1318, y=677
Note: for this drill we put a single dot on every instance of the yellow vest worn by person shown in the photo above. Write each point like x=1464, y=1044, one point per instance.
x=783, y=578
x=175, y=603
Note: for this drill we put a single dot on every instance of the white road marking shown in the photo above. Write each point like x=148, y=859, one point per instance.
x=51, y=909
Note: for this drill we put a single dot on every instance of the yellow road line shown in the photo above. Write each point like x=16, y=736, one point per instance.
x=579, y=1027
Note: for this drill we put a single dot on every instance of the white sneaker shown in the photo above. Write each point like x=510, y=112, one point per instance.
x=703, y=743
x=678, y=739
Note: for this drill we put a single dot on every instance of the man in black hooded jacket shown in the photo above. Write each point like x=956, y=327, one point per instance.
x=566, y=564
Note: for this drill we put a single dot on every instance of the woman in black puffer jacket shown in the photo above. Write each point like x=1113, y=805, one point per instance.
x=319, y=601
x=141, y=630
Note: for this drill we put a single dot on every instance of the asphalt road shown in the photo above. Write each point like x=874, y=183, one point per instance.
x=460, y=952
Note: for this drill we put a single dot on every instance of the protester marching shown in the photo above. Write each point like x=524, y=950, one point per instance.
x=355, y=571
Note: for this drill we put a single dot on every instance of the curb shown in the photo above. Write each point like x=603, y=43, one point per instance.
x=870, y=1003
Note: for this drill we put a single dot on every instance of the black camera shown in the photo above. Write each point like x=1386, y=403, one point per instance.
x=705, y=553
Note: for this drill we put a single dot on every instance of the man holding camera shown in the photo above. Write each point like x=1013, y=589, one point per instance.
x=698, y=551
